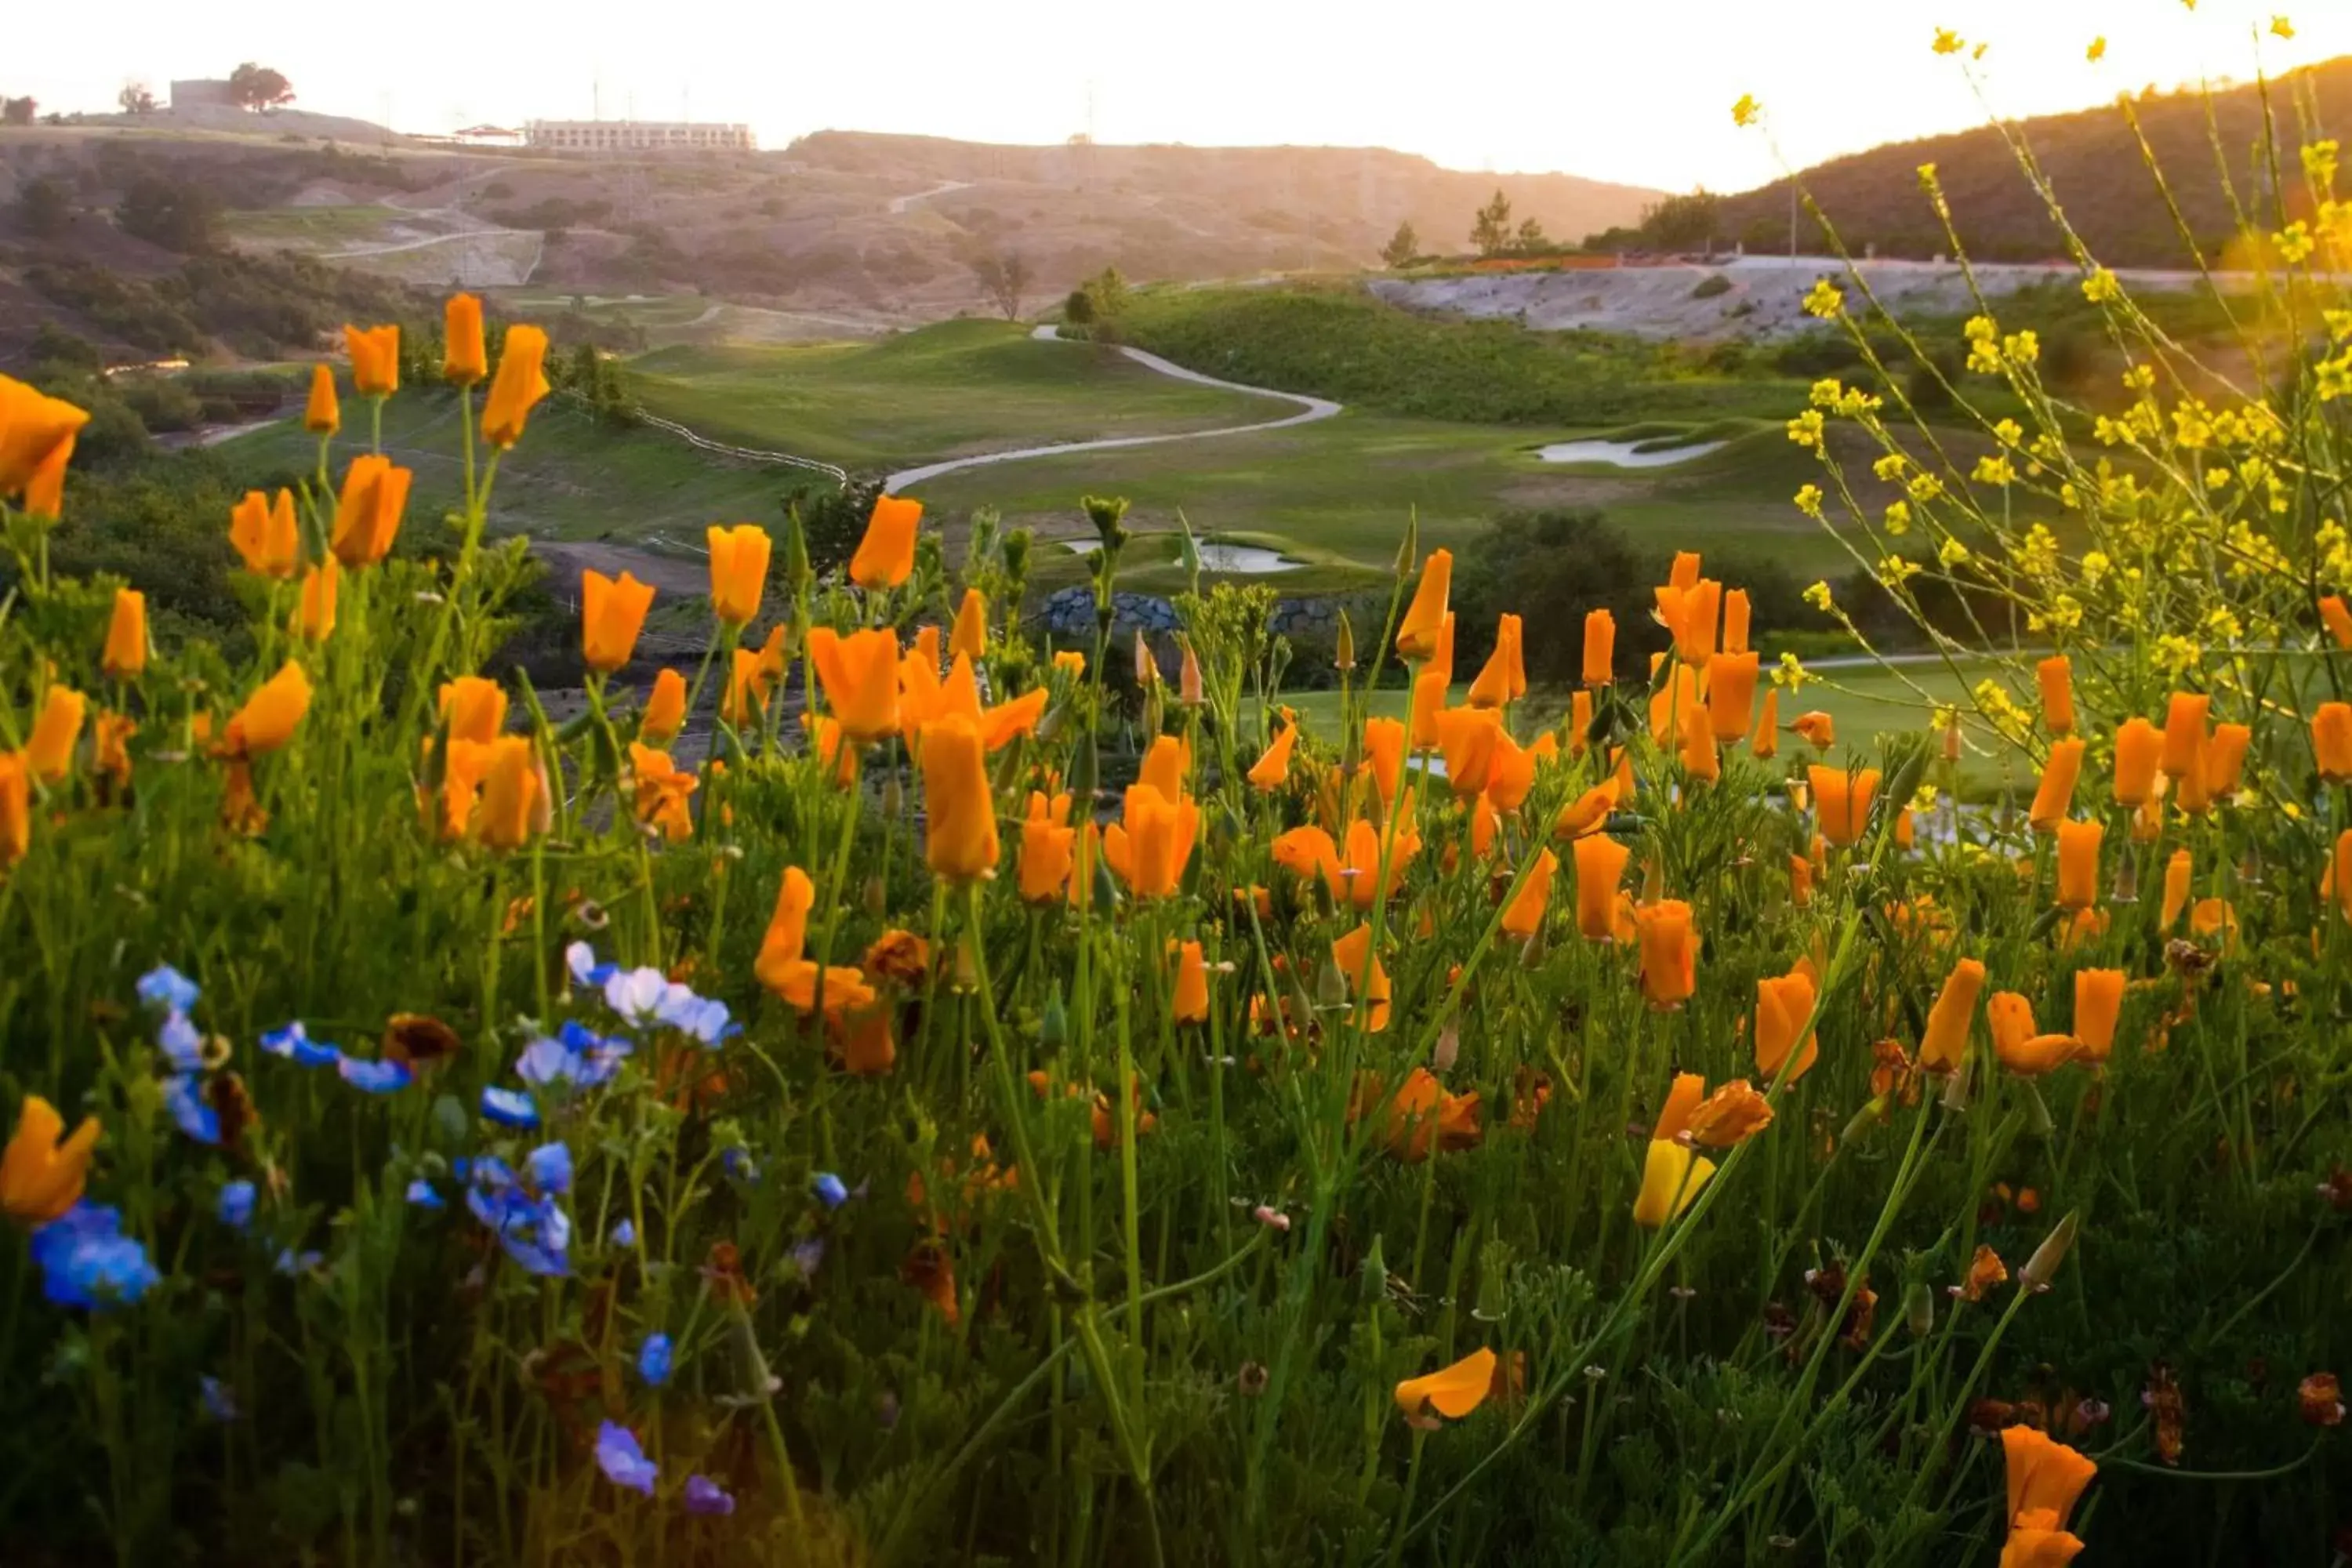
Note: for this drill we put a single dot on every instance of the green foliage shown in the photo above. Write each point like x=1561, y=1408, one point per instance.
x=44, y=207
x=1402, y=245
x=177, y=214
x=259, y=86
x=1552, y=568
x=1712, y=286
x=1683, y=222
x=1490, y=230
x=262, y=306
x=1342, y=343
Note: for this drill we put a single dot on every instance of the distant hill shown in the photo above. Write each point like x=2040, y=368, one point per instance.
x=844, y=228
x=2092, y=161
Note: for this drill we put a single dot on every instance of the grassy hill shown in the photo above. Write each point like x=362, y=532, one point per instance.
x=946, y=390
x=1339, y=342
x=2094, y=163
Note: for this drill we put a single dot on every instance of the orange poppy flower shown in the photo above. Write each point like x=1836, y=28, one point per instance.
x=1842, y=800
x=2078, y=864
x=885, y=555
x=1946, y=1042
x=375, y=359
x=1599, y=647
x=2055, y=796
x=1417, y=634
x=517, y=388
x=612, y=614
x=739, y=571
x=1670, y=946
x=1452, y=1392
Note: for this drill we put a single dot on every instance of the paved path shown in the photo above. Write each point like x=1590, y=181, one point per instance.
x=1310, y=410
x=900, y=204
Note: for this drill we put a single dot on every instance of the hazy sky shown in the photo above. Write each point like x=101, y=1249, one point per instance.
x=1634, y=91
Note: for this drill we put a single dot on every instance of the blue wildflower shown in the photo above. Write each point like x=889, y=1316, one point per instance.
x=637, y=994
x=830, y=1190
x=738, y=1163
x=218, y=1402
x=181, y=1045
x=509, y=1108
x=653, y=1360
x=236, y=1205
x=184, y=1097
x=624, y=1463
x=167, y=990
x=87, y=1261
x=290, y=1262
x=375, y=1078
x=550, y=1168
x=421, y=1194
x=807, y=1255
x=294, y=1042
x=581, y=960
x=624, y=1234
x=534, y=1231
x=704, y=1495
x=576, y=1054
x=705, y=1019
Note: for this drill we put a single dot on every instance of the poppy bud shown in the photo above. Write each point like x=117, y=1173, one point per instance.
x=1417, y=634
x=2331, y=740
x=2056, y=679
x=2078, y=864
x=2139, y=748
x=125, y=657
x=1343, y=655
x=1599, y=647
x=2042, y=1266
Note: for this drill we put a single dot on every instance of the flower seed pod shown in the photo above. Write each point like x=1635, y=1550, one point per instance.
x=1344, y=655
x=2042, y=1266
x=1919, y=1309
x=877, y=898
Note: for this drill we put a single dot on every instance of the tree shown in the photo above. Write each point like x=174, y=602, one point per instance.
x=1492, y=232
x=17, y=110
x=1679, y=222
x=44, y=208
x=1530, y=240
x=1108, y=291
x=177, y=215
x=1402, y=245
x=1078, y=310
x=259, y=88
x=137, y=98
x=1004, y=278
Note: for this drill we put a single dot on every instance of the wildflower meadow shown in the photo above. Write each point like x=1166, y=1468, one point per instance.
x=885, y=1092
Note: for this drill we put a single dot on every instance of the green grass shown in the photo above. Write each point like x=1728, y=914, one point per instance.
x=324, y=227
x=570, y=478
x=1339, y=342
x=943, y=391
x=1343, y=490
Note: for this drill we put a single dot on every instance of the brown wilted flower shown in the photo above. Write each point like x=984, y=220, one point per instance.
x=722, y=1274
x=1730, y=1116
x=2321, y=1400
x=235, y=1108
x=1252, y=1379
x=1530, y=1090
x=2337, y=1190
x=897, y=956
x=416, y=1041
x=2168, y=1411
x=929, y=1270
x=1860, y=1318
x=1985, y=1271
x=1894, y=1075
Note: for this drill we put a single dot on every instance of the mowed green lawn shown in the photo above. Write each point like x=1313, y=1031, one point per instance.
x=1342, y=492
x=945, y=391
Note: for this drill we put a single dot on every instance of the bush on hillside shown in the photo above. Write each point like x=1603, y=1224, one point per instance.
x=1346, y=345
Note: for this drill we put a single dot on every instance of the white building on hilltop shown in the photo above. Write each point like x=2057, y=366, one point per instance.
x=636, y=136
